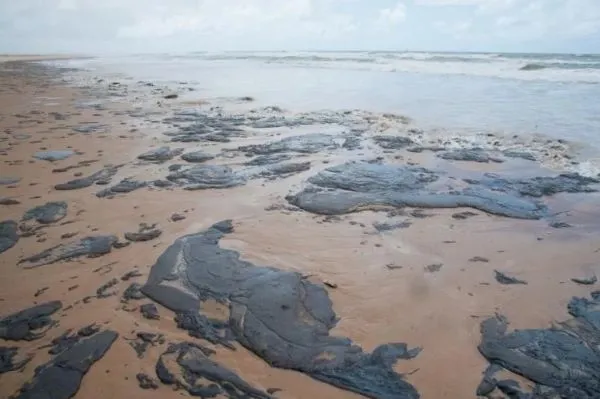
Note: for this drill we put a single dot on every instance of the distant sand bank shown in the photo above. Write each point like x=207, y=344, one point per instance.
x=37, y=57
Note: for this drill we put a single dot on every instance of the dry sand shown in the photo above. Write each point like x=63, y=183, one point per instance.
x=438, y=311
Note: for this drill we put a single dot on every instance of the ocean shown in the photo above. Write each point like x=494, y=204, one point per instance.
x=543, y=95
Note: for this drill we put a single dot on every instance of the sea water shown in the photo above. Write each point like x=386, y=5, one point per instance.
x=552, y=95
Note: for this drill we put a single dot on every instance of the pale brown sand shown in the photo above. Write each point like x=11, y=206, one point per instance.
x=439, y=311
x=36, y=57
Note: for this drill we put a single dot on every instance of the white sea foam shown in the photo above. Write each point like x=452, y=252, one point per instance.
x=551, y=67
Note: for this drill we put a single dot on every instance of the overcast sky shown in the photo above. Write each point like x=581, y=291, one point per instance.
x=116, y=26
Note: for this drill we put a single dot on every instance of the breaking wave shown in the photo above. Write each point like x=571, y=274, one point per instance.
x=551, y=67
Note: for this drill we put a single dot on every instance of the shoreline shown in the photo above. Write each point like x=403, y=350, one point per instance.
x=552, y=153
x=437, y=310
x=40, y=57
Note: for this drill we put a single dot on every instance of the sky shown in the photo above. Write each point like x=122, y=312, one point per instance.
x=142, y=26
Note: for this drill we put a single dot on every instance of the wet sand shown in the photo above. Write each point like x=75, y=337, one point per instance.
x=384, y=291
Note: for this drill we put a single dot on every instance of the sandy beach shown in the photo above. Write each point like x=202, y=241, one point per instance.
x=420, y=275
x=37, y=57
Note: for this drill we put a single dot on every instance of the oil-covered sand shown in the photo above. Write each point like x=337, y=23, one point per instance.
x=218, y=250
